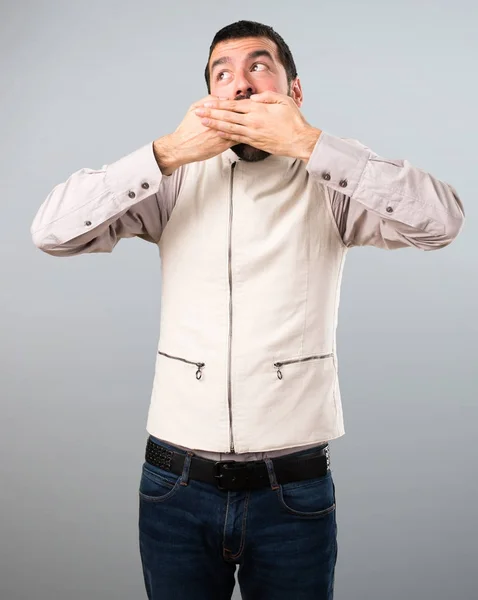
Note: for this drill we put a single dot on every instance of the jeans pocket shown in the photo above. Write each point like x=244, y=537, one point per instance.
x=313, y=498
x=156, y=484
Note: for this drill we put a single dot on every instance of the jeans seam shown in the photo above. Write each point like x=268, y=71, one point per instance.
x=224, y=549
x=243, y=528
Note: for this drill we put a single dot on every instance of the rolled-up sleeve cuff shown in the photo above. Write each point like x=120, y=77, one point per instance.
x=338, y=163
x=135, y=176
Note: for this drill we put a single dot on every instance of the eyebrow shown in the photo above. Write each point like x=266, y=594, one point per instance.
x=255, y=54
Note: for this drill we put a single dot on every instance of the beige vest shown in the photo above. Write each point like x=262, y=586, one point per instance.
x=251, y=269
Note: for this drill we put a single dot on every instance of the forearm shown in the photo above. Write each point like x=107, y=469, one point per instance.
x=78, y=214
x=420, y=209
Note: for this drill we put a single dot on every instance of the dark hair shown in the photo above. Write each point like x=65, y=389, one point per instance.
x=243, y=29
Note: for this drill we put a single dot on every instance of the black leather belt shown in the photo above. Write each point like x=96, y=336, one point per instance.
x=230, y=475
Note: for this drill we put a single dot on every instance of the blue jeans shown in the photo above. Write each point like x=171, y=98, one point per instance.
x=192, y=535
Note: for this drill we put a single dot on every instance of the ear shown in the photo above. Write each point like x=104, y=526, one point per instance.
x=296, y=92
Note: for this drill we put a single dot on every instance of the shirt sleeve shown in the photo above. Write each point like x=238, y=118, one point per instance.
x=93, y=209
x=382, y=202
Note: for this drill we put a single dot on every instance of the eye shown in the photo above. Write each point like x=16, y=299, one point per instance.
x=259, y=65
x=219, y=75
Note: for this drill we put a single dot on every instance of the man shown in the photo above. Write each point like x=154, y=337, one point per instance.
x=253, y=210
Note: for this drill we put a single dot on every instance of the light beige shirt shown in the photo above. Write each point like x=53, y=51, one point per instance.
x=375, y=201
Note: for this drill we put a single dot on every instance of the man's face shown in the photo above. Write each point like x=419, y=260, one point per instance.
x=246, y=66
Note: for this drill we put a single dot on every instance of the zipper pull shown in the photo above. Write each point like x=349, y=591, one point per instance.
x=279, y=372
x=199, y=371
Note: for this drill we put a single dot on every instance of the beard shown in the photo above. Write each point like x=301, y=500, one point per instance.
x=249, y=153
x=246, y=152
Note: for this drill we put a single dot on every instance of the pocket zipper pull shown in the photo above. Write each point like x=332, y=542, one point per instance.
x=279, y=372
x=199, y=371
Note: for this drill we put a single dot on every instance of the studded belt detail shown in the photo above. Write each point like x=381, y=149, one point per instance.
x=230, y=475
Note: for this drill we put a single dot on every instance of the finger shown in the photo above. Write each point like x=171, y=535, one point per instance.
x=200, y=102
x=225, y=126
x=209, y=98
x=239, y=106
x=270, y=98
x=242, y=139
x=221, y=115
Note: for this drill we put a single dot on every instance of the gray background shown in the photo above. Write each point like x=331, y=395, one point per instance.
x=84, y=84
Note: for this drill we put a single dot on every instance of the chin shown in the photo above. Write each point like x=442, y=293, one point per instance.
x=249, y=153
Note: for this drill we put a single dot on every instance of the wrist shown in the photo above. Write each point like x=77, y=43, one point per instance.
x=307, y=143
x=165, y=154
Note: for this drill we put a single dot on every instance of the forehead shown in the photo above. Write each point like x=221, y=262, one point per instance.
x=238, y=49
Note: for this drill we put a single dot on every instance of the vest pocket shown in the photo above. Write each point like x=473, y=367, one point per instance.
x=278, y=365
x=199, y=365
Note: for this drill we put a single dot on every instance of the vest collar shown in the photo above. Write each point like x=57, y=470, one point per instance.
x=229, y=157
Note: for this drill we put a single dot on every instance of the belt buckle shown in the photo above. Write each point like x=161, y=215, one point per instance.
x=217, y=472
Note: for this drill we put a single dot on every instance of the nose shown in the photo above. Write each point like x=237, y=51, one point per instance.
x=244, y=87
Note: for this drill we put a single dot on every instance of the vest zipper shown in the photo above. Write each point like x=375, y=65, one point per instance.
x=199, y=365
x=229, y=382
x=278, y=365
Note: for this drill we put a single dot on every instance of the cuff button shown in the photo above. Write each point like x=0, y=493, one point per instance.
x=389, y=209
x=87, y=223
x=343, y=183
x=145, y=185
x=132, y=195
x=326, y=176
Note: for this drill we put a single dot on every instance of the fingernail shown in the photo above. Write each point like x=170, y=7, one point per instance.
x=208, y=104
